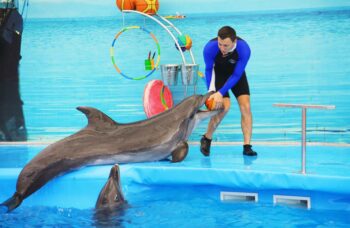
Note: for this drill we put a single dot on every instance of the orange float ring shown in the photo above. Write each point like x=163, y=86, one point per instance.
x=157, y=98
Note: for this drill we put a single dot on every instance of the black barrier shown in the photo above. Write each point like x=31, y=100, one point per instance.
x=12, y=124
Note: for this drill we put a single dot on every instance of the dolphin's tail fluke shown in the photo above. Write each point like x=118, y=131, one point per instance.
x=12, y=202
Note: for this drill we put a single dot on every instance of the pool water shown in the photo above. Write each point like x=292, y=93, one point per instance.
x=299, y=56
x=174, y=206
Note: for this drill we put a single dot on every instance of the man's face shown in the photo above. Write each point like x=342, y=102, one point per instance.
x=225, y=45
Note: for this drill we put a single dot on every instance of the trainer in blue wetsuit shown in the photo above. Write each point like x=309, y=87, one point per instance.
x=225, y=60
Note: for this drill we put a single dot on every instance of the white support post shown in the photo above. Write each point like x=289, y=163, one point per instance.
x=304, y=107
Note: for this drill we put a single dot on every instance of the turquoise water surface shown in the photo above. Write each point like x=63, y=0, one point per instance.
x=297, y=57
x=178, y=206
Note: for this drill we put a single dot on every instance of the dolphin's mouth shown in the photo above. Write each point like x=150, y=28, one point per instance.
x=203, y=112
x=116, y=170
x=204, y=98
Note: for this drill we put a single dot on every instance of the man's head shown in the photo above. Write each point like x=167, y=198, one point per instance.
x=226, y=39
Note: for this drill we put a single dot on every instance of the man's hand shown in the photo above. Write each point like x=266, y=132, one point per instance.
x=218, y=100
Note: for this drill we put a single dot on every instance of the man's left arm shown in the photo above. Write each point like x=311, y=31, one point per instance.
x=243, y=57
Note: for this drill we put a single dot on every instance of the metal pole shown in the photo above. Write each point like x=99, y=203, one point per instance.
x=303, y=141
x=179, y=32
x=171, y=34
x=190, y=51
x=163, y=26
x=303, y=126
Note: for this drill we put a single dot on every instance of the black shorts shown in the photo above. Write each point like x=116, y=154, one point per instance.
x=241, y=88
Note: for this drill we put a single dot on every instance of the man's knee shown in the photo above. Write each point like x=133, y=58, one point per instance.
x=245, y=109
x=222, y=113
x=227, y=103
x=244, y=104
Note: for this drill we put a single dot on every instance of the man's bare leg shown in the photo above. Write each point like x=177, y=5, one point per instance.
x=213, y=124
x=216, y=120
x=246, y=117
x=246, y=123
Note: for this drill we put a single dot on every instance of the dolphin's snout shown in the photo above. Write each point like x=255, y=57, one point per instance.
x=115, y=168
x=205, y=97
x=115, y=172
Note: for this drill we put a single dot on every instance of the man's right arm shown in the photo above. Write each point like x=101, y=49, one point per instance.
x=209, y=53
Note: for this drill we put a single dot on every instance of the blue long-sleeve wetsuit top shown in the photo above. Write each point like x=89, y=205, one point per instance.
x=231, y=66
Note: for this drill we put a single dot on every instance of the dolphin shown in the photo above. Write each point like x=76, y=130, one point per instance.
x=110, y=204
x=104, y=141
x=111, y=195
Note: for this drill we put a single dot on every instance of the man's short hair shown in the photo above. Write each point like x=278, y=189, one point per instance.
x=227, y=32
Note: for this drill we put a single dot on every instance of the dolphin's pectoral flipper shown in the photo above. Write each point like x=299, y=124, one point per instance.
x=97, y=119
x=180, y=152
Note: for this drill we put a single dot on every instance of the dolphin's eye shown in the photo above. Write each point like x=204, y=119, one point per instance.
x=116, y=198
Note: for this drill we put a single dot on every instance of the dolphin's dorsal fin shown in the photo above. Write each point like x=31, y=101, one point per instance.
x=97, y=119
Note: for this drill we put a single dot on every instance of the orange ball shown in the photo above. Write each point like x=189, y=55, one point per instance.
x=210, y=104
x=147, y=6
x=126, y=4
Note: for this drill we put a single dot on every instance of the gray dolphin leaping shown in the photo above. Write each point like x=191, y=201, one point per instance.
x=104, y=141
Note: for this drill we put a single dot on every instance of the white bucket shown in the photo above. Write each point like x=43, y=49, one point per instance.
x=189, y=74
x=170, y=73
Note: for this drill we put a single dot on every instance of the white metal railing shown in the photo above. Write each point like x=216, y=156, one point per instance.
x=166, y=26
x=303, y=107
x=163, y=26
